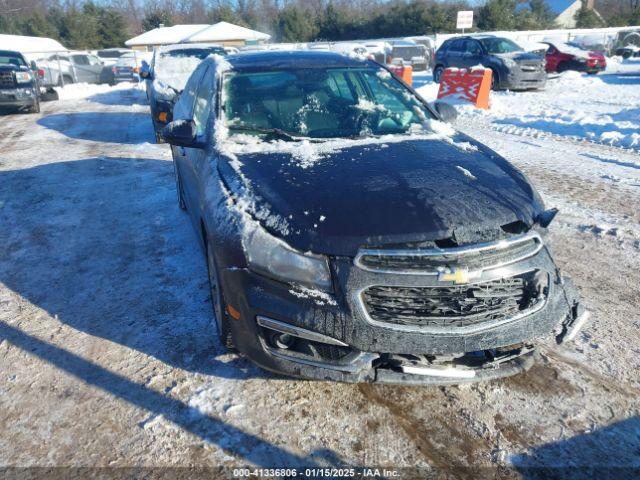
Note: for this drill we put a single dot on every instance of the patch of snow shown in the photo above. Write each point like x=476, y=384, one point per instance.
x=75, y=91
x=466, y=172
x=318, y=296
x=597, y=108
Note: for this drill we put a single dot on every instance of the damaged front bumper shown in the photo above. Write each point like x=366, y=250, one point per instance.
x=340, y=340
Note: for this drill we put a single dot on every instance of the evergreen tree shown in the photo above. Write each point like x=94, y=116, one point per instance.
x=587, y=18
x=112, y=28
x=497, y=15
x=296, y=25
x=153, y=18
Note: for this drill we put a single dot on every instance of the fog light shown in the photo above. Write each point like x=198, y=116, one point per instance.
x=283, y=341
x=162, y=116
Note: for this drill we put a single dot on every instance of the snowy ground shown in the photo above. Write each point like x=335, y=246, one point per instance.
x=604, y=108
x=108, y=356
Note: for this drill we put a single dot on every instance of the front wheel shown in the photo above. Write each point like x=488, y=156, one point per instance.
x=495, y=80
x=217, y=300
x=35, y=108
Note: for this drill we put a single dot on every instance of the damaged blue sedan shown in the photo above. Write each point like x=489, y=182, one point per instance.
x=351, y=234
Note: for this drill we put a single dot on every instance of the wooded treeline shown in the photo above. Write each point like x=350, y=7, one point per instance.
x=89, y=24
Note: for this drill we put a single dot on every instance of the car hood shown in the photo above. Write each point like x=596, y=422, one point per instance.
x=519, y=56
x=385, y=193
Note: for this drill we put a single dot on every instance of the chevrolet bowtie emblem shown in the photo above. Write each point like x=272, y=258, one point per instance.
x=458, y=276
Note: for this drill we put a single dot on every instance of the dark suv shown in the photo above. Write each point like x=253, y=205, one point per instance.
x=512, y=67
x=19, y=87
x=351, y=235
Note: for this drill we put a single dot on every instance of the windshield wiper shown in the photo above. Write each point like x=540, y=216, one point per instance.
x=283, y=134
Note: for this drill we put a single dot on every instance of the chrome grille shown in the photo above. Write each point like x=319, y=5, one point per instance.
x=456, y=306
x=6, y=80
x=476, y=257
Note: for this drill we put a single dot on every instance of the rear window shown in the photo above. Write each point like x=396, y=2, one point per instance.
x=200, y=53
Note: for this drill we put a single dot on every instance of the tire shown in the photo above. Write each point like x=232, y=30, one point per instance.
x=437, y=73
x=179, y=188
x=35, y=108
x=217, y=300
x=495, y=80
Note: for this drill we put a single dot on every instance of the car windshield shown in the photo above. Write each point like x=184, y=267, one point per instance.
x=321, y=103
x=500, y=45
x=9, y=59
x=174, y=67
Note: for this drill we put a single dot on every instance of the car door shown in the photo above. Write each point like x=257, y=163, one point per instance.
x=82, y=68
x=472, y=55
x=96, y=66
x=455, y=52
x=553, y=58
x=187, y=158
x=198, y=158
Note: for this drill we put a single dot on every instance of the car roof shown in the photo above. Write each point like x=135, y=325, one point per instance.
x=12, y=52
x=188, y=46
x=291, y=59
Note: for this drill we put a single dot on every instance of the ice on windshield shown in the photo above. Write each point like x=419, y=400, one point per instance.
x=321, y=103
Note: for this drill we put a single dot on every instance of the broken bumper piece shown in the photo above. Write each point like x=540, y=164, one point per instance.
x=296, y=351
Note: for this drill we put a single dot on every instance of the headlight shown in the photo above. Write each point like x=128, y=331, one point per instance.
x=274, y=258
x=23, y=77
x=509, y=63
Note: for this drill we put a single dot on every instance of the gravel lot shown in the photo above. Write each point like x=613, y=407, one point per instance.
x=108, y=356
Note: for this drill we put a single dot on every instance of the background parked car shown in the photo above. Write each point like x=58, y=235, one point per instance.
x=512, y=67
x=19, y=87
x=78, y=67
x=165, y=78
x=561, y=57
x=125, y=69
x=109, y=56
x=410, y=53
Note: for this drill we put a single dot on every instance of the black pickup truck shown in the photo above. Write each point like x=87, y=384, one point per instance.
x=19, y=87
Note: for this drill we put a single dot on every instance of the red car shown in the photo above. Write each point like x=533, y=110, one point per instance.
x=562, y=57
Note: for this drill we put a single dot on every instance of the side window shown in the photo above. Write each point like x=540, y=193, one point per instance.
x=457, y=46
x=202, y=105
x=80, y=59
x=473, y=48
x=184, y=108
x=339, y=86
x=94, y=60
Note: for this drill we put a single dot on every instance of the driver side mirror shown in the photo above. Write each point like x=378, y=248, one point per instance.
x=181, y=133
x=145, y=74
x=447, y=112
x=33, y=65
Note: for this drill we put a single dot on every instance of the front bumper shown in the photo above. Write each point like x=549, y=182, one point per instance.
x=518, y=79
x=18, y=97
x=363, y=351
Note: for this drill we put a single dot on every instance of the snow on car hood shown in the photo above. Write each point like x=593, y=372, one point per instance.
x=381, y=192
